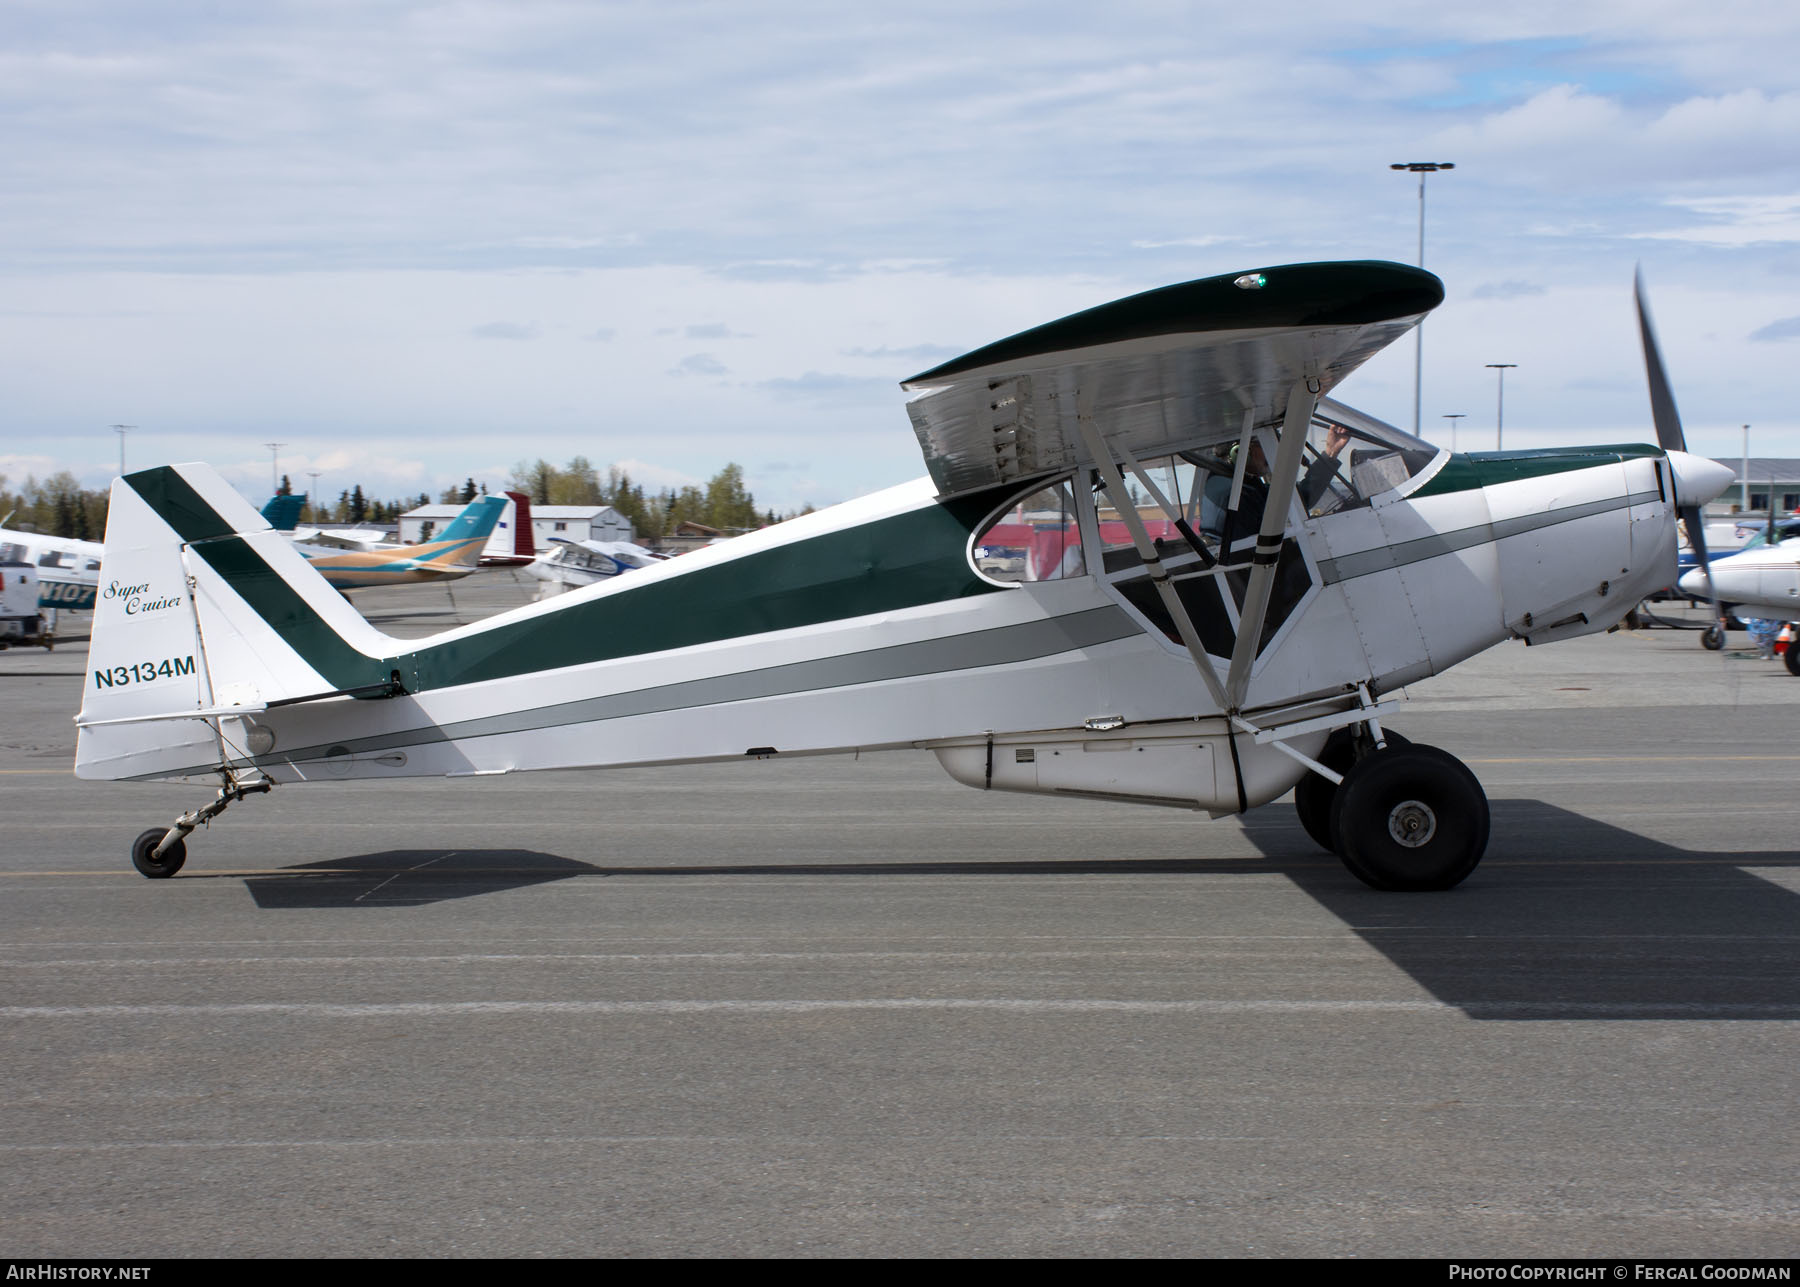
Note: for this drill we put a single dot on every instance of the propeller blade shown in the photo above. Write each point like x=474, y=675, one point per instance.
x=1696, y=530
x=1669, y=436
x=1662, y=402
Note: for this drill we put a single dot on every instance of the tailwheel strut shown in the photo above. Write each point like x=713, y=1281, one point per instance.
x=160, y=852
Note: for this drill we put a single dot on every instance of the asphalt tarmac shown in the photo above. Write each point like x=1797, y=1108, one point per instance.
x=847, y=1007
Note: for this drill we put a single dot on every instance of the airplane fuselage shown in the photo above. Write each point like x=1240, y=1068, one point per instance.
x=869, y=625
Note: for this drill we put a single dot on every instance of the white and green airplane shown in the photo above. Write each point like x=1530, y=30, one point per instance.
x=1152, y=562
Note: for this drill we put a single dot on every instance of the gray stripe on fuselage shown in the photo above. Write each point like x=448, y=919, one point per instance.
x=1003, y=645
x=1364, y=563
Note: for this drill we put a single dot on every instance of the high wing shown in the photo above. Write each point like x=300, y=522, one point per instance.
x=350, y=539
x=1173, y=369
x=1168, y=370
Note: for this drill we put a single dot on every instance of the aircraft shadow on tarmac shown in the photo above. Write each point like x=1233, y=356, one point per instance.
x=1567, y=918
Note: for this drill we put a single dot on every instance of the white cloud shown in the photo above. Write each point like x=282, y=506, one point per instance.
x=1737, y=221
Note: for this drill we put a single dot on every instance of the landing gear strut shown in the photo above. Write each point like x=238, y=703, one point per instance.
x=1406, y=817
x=1312, y=798
x=160, y=852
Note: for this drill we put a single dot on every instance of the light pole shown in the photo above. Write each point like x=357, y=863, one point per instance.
x=274, y=465
x=1420, y=168
x=1500, y=369
x=122, y=430
x=1453, y=417
x=1745, y=507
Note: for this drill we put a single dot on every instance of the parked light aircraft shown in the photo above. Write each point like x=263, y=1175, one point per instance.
x=1761, y=581
x=455, y=553
x=569, y=565
x=1191, y=635
x=68, y=569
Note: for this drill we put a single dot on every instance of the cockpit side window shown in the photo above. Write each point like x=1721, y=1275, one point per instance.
x=1037, y=538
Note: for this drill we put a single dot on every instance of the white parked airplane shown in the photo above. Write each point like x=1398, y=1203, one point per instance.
x=569, y=565
x=68, y=569
x=1763, y=581
x=1190, y=634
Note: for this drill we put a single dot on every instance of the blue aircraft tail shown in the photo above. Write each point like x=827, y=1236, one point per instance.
x=477, y=520
x=283, y=511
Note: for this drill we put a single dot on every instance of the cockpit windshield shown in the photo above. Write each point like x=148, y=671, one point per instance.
x=1370, y=455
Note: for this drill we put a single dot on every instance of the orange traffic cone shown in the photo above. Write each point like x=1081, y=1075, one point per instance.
x=1783, y=639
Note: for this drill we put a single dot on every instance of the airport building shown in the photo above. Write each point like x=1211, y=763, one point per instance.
x=1777, y=476
x=550, y=523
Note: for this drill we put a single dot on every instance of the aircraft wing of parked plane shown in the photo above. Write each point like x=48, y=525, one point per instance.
x=1228, y=576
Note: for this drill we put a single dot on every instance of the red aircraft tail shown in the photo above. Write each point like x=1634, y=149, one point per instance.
x=523, y=537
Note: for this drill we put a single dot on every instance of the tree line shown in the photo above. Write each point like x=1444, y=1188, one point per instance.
x=61, y=506
x=58, y=506
x=723, y=503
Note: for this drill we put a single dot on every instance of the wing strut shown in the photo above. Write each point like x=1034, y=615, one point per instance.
x=1146, y=548
x=1283, y=477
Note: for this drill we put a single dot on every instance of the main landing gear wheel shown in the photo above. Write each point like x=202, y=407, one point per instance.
x=1792, y=657
x=1712, y=638
x=143, y=851
x=1410, y=818
x=1313, y=794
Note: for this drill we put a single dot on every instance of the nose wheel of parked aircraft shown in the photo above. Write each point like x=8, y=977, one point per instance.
x=1713, y=637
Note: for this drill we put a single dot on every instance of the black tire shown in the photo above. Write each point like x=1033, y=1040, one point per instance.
x=1313, y=794
x=1410, y=818
x=157, y=868
x=1792, y=656
x=1712, y=638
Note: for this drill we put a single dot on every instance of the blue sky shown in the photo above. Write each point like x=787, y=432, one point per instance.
x=415, y=242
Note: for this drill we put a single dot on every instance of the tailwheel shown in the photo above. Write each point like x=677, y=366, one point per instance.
x=1313, y=794
x=1410, y=818
x=143, y=850
x=143, y=854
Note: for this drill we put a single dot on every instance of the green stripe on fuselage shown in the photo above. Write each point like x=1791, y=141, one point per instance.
x=1469, y=470
x=906, y=560
x=903, y=561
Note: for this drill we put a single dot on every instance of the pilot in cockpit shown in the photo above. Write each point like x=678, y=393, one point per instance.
x=1255, y=495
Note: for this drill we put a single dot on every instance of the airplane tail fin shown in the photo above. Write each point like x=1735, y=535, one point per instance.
x=206, y=616
x=283, y=511
x=476, y=520
x=524, y=534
